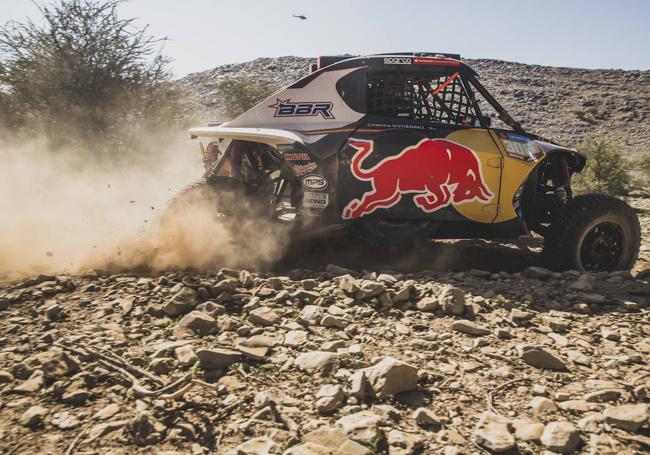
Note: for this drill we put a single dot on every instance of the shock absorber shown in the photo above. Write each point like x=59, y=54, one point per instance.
x=561, y=179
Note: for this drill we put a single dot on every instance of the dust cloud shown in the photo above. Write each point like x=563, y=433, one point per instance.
x=60, y=212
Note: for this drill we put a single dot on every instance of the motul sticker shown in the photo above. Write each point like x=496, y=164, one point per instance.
x=296, y=157
x=314, y=182
x=438, y=172
x=315, y=200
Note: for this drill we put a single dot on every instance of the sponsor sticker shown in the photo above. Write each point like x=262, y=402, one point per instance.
x=296, y=157
x=314, y=182
x=397, y=60
x=440, y=173
x=438, y=61
x=315, y=200
x=302, y=169
x=520, y=147
x=288, y=108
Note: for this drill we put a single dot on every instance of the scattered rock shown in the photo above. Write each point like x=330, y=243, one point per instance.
x=391, y=376
x=629, y=417
x=329, y=398
x=363, y=427
x=561, y=437
x=217, y=359
x=182, y=302
x=469, y=328
x=264, y=316
x=195, y=322
x=541, y=357
x=317, y=361
x=494, y=433
x=33, y=416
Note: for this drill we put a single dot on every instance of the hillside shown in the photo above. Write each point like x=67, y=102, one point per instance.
x=566, y=104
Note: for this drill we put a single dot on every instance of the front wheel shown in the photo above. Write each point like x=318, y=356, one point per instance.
x=593, y=232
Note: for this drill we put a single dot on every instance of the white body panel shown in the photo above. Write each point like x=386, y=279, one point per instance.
x=320, y=89
x=268, y=136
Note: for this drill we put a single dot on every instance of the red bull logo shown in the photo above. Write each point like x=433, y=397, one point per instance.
x=437, y=171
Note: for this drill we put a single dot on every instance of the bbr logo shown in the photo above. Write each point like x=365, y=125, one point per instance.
x=303, y=109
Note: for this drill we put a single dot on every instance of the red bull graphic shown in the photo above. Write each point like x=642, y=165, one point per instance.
x=438, y=171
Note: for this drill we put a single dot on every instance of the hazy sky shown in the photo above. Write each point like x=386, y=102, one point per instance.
x=578, y=33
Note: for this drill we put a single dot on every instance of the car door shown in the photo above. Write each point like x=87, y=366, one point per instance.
x=420, y=153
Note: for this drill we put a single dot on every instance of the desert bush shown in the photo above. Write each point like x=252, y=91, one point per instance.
x=241, y=94
x=607, y=170
x=85, y=76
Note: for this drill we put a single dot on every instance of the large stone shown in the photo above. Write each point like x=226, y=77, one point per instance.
x=31, y=385
x=33, y=416
x=217, y=359
x=358, y=386
x=494, y=432
x=257, y=446
x=427, y=304
x=317, y=361
x=401, y=443
x=391, y=376
x=362, y=427
x=348, y=284
x=629, y=417
x=311, y=314
x=561, y=437
x=334, y=441
x=470, y=328
x=426, y=418
x=145, y=429
x=107, y=412
x=182, y=302
x=329, y=398
x=540, y=405
x=264, y=316
x=55, y=363
x=295, y=338
x=525, y=430
x=452, y=300
x=103, y=429
x=369, y=289
x=541, y=357
x=195, y=322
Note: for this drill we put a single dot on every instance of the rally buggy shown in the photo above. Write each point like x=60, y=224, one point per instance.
x=408, y=145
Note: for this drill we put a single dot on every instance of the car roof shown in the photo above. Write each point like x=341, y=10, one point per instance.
x=394, y=60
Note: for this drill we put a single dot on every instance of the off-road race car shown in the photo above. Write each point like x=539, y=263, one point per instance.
x=404, y=146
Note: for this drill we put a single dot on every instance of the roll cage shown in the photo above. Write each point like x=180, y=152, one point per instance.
x=428, y=87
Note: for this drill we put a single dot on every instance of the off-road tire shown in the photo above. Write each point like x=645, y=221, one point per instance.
x=593, y=232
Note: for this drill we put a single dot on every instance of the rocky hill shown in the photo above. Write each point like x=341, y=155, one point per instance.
x=566, y=104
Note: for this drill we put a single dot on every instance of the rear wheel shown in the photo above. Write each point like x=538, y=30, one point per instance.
x=593, y=232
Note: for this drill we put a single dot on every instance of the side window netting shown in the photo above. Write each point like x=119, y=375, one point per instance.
x=432, y=98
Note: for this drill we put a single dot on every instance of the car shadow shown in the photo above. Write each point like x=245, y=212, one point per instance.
x=345, y=250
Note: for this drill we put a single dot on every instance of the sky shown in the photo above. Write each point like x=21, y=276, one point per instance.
x=206, y=33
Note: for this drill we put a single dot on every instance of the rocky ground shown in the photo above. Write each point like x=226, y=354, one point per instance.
x=565, y=104
x=388, y=357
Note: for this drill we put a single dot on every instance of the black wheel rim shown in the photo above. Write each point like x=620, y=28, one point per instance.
x=602, y=247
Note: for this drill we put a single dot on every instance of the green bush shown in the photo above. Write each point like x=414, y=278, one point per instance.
x=607, y=170
x=242, y=94
x=85, y=76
